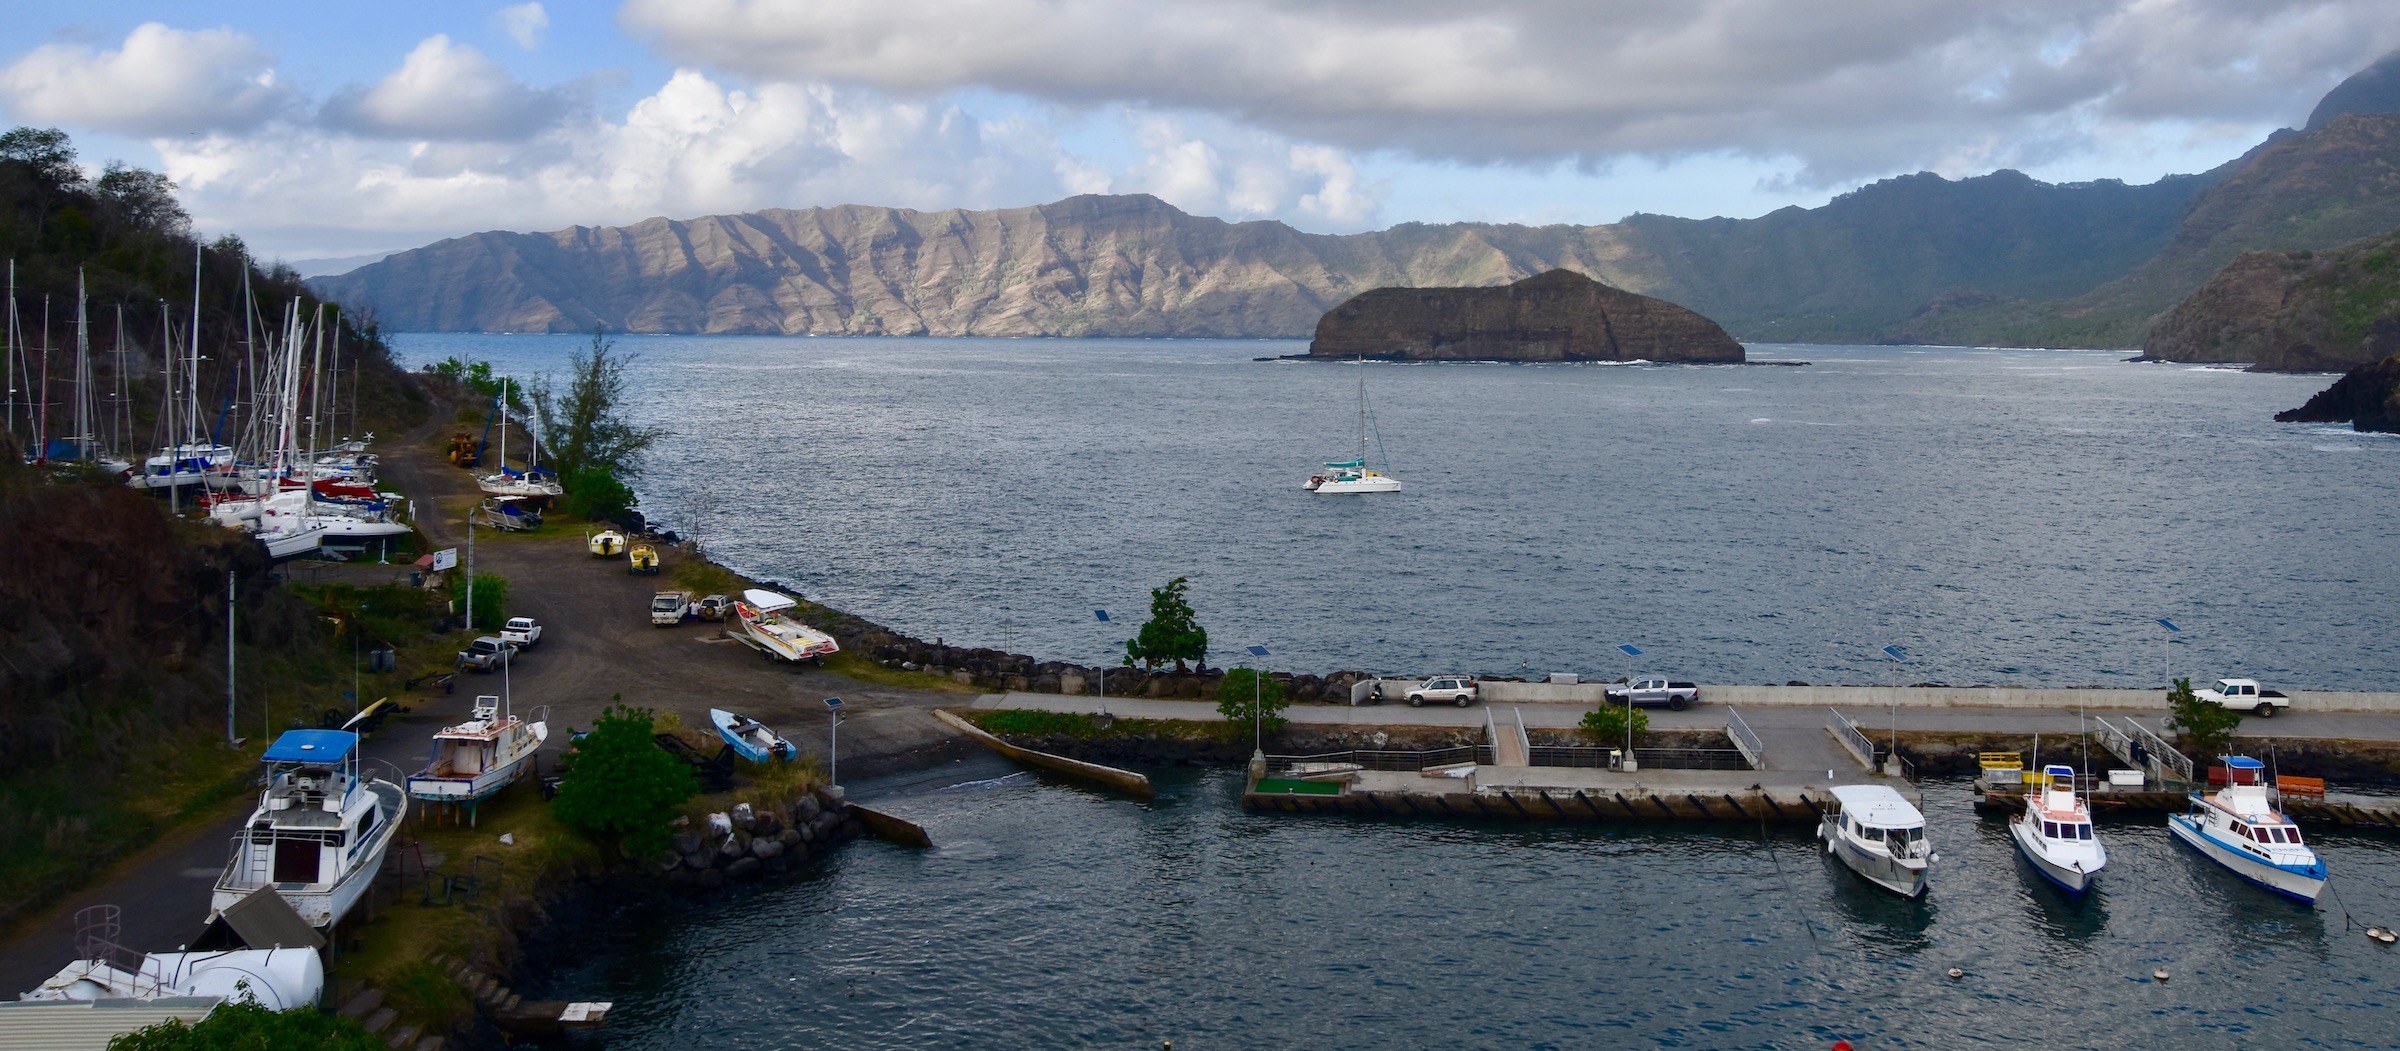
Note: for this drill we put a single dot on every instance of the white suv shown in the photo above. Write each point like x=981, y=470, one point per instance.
x=1455, y=688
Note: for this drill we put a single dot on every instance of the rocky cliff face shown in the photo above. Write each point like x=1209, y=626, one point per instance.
x=2367, y=398
x=2294, y=312
x=1557, y=316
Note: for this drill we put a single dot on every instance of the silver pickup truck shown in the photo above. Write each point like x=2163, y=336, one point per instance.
x=485, y=653
x=1651, y=692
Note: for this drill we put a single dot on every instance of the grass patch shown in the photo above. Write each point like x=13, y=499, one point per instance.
x=864, y=669
x=74, y=829
x=704, y=578
x=1044, y=724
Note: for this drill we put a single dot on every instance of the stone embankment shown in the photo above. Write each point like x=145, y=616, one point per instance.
x=998, y=670
x=746, y=843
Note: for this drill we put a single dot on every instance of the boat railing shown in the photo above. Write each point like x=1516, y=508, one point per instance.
x=97, y=928
x=1753, y=750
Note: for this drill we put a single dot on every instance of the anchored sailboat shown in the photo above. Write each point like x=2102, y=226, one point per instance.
x=1353, y=476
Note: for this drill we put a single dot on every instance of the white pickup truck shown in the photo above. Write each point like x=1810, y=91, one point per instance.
x=1645, y=692
x=2245, y=695
x=521, y=632
x=667, y=608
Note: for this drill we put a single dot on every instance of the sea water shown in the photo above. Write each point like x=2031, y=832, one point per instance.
x=2005, y=516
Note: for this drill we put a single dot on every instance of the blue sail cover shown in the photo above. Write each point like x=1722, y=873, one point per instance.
x=1355, y=465
x=312, y=746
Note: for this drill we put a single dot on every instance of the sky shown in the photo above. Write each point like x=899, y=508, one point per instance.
x=318, y=130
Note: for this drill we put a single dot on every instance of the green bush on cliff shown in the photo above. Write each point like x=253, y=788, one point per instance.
x=597, y=495
x=2207, y=729
x=620, y=784
x=245, y=1026
x=1242, y=691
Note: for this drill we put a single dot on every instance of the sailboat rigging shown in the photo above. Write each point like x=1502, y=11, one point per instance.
x=1353, y=476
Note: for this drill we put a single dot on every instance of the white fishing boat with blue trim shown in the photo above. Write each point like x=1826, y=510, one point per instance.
x=2238, y=826
x=1880, y=836
x=749, y=738
x=2055, y=832
x=320, y=830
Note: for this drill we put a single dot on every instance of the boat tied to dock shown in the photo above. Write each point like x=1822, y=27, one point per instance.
x=2239, y=827
x=1875, y=832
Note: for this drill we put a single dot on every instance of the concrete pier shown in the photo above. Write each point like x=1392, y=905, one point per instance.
x=1558, y=794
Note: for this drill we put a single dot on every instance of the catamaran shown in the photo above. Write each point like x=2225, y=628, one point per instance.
x=1353, y=476
x=2055, y=832
x=2238, y=827
x=319, y=832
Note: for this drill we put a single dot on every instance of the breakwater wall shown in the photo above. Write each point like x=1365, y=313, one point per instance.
x=745, y=843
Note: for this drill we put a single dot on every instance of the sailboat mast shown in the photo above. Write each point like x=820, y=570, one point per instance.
x=1362, y=415
x=11, y=336
x=83, y=371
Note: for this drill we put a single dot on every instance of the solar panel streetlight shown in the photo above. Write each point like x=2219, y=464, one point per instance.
x=833, y=749
x=1258, y=734
x=1626, y=762
x=1897, y=655
x=2166, y=658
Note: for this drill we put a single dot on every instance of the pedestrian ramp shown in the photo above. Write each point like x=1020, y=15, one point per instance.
x=1805, y=748
x=1510, y=746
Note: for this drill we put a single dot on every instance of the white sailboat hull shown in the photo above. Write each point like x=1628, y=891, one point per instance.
x=1374, y=484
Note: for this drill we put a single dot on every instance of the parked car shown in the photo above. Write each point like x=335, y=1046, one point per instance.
x=485, y=653
x=1455, y=689
x=521, y=632
x=1650, y=692
x=2245, y=695
x=715, y=607
x=667, y=608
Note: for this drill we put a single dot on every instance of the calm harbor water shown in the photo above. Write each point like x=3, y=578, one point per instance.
x=1052, y=916
x=2009, y=516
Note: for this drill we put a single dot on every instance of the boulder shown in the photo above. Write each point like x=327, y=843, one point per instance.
x=744, y=869
x=765, y=848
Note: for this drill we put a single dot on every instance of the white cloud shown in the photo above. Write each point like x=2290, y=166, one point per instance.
x=446, y=91
x=524, y=23
x=161, y=81
x=1849, y=88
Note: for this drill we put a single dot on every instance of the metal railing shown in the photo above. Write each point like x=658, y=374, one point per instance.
x=2135, y=744
x=1385, y=759
x=1754, y=751
x=1846, y=732
x=1595, y=758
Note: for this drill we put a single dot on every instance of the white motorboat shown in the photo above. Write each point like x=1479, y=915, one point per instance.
x=2237, y=826
x=276, y=979
x=758, y=621
x=320, y=830
x=472, y=761
x=2055, y=832
x=1353, y=476
x=1880, y=836
x=749, y=738
x=187, y=464
x=607, y=543
x=527, y=484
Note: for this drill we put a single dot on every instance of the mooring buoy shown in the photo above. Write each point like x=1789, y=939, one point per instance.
x=2383, y=934
x=1955, y=973
x=2159, y=974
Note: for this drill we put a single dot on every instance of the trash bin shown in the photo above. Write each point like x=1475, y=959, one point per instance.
x=416, y=579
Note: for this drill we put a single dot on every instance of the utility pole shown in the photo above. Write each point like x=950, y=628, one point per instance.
x=229, y=657
x=470, y=571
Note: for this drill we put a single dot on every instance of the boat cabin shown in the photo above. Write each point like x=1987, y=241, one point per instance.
x=1875, y=816
x=301, y=833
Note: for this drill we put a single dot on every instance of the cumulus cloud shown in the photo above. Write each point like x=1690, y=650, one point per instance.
x=525, y=24
x=160, y=81
x=1852, y=88
x=448, y=92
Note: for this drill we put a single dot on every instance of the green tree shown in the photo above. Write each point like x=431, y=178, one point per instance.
x=584, y=427
x=621, y=784
x=2207, y=729
x=1236, y=694
x=1171, y=634
x=142, y=199
x=1606, y=725
x=491, y=596
x=243, y=1025
x=596, y=494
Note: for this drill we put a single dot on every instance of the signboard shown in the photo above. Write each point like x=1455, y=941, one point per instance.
x=446, y=558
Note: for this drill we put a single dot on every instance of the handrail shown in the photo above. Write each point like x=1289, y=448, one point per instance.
x=1754, y=751
x=2135, y=744
x=1846, y=733
x=1524, y=742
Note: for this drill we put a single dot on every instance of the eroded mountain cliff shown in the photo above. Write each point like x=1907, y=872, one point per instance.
x=1557, y=316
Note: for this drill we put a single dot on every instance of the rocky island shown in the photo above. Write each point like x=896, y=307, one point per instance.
x=1557, y=316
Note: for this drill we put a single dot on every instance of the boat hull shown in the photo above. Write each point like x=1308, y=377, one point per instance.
x=2284, y=880
x=1893, y=874
x=1340, y=487
x=321, y=905
x=2067, y=874
x=434, y=789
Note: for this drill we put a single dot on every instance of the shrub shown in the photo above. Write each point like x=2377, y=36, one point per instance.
x=1606, y=724
x=244, y=1025
x=621, y=784
x=491, y=596
x=2207, y=729
x=1240, y=690
x=597, y=495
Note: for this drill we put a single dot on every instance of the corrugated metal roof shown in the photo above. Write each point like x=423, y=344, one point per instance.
x=88, y=1025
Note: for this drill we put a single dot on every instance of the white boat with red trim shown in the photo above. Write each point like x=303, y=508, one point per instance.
x=2055, y=832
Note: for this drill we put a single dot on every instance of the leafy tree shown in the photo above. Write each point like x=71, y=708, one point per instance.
x=596, y=494
x=46, y=154
x=2207, y=729
x=491, y=595
x=620, y=783
x=1240, y=689
x=584, y=427
x=1171, y=634
x=243, y=1025
x=142, y=199
x=1606, y=724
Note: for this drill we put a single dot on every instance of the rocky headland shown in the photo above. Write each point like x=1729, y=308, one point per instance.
x=1557, y=316
x=2291, y=311
x=2367, y=398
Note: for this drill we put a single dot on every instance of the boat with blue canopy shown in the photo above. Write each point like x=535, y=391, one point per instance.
x=2239, y=827
x=319, y=833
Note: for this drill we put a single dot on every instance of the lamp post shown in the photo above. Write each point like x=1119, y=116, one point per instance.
x=1897, y=655
x=833, y=747
x=1101, y=615
x=2166, y=660
x=1258, y=686
x=1627, y=762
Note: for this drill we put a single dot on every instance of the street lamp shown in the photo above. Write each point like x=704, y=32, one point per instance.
x=1101, y=615
x=833, y=749
x=2166, y=659
x=1897, y=655
x=1258, y=735
x=1627, y=762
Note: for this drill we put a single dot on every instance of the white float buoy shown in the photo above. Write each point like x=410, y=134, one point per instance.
x=1955, y=973
x=2383, y=934
x=2159, y=974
